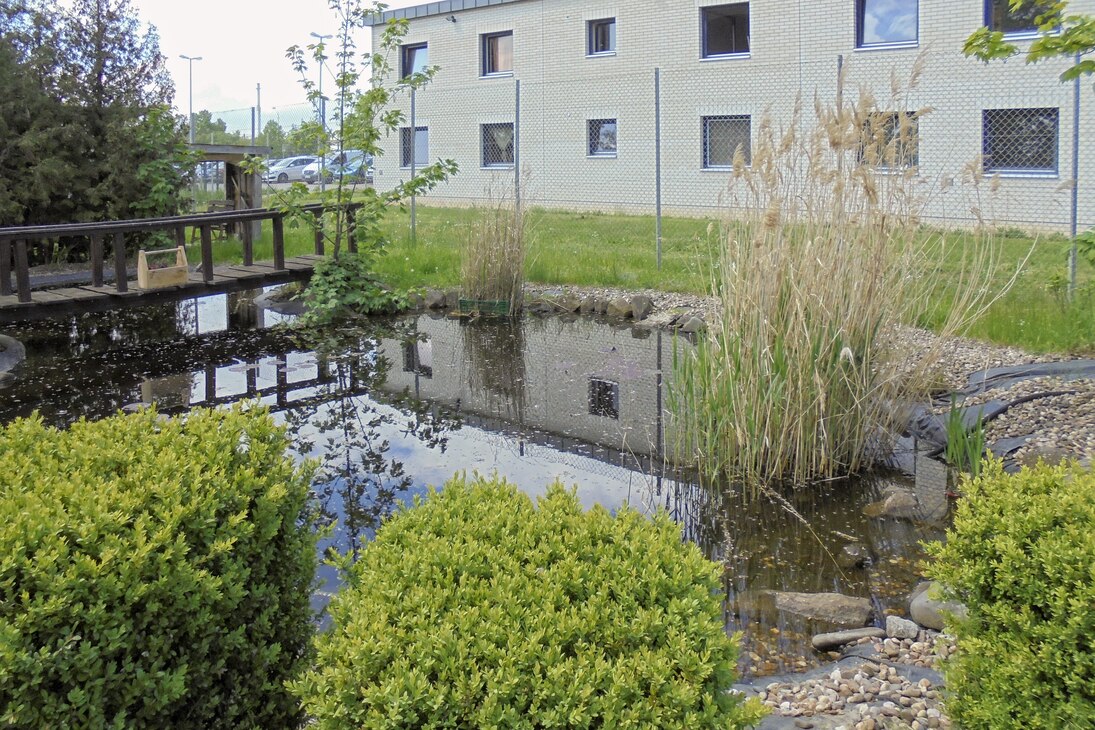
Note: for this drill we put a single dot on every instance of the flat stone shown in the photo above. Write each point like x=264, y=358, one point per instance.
x=901, y=628
x=927, y=609
x=694, y=325
x=12, y=353
x=854, y=555
x=832, y=608
x=588, y=306
x=435, y=299
x=821, y=642
x=899, y=504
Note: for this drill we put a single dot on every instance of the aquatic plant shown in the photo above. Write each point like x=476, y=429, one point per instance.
x=802, y=374
x=478, y=608
x=493, y=264
x=965, y=447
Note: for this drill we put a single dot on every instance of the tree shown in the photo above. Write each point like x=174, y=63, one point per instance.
x=1061, y=35
x=273, y=136
x=84, y=117
x=362, y=116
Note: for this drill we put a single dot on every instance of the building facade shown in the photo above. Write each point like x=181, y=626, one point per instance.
x=612, y=106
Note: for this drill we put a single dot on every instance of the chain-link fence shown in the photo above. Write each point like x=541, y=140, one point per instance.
x=972, y=142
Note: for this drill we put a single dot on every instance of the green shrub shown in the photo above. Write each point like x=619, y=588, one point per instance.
x=154, y=573
x=476, y=609
x=1021, y=556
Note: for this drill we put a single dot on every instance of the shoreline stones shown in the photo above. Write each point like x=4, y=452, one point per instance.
x=12, y=352
x=830, y=608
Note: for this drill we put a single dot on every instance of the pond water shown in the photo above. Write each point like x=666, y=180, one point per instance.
x=393, y=406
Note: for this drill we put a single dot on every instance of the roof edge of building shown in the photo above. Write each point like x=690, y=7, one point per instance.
x=428, y=9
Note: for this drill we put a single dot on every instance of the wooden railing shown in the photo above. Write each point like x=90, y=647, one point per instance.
x=16, y=242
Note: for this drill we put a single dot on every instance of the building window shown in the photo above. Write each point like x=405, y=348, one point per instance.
x=602, y=36
x=420, y=141
x=498, y=145
x=885, y=22
x=602, y=137
x=415, y=59
x=891, y=141
x=999, y=16
x=725, y=29
x=604, y=398
x=498, y=53
x=418, y=358
x=723, y=136
x=1019, y=140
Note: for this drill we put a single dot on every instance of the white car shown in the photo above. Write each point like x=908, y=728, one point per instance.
x=288, y=169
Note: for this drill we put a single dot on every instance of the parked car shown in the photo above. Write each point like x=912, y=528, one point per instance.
x=288, y=169
x=350, y=164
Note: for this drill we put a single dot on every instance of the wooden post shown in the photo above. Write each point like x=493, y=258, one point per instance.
x=210, y=382
x=96, y=260
x=248, y=230
x=5, y=268
x=279, y=242
x=351, y=229
x=318, y=215
x=120, y=282
x=180, y=235
x=22, y=271
x=207, y=253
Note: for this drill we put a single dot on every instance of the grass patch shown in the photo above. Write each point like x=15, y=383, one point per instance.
x=614, y=250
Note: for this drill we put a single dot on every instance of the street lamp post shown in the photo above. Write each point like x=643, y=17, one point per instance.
x=191, y=60
x=321, y=111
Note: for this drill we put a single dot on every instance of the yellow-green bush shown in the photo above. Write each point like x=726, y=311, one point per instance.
x=477, y=609
x=1021, y=556
x=153, y=573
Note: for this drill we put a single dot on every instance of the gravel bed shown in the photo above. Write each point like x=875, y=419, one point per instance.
x=887, y=683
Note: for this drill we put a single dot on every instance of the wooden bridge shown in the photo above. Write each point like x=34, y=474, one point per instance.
x=29, y=299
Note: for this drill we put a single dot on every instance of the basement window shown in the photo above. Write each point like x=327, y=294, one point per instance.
x=604, y=398
x=725, y=30
x=890, y=141
x=723, y=136
x=1020, y=141
x=602, y=137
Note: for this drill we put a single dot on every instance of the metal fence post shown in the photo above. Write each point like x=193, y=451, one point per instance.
x=1073, y=252
x=658, y=163
x=414, y=169
x=517, y=144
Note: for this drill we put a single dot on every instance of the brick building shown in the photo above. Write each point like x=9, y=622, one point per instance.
x=585, y=128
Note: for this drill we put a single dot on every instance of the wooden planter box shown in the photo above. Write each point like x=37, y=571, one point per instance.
x=163, y=276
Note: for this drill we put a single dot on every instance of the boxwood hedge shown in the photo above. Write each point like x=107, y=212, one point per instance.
x=477, y=609
x=154, y=573
x=1021, y=556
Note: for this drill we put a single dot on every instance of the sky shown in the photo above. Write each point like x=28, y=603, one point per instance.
x=242, y=44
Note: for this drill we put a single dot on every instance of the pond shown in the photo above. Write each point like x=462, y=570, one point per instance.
x=392, y=406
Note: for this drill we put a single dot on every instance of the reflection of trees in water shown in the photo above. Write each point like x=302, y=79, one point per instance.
x=494, y=352
x=359, y=483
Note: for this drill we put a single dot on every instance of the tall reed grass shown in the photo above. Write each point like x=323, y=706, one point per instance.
x=493, y=265
x=803, y=374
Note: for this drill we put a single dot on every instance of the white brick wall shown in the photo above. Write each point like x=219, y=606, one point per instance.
x=794, y=51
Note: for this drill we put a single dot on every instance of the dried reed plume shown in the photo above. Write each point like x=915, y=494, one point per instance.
x=493, y=267
x=802, y=376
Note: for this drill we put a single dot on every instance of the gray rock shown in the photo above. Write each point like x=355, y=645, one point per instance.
x=854, y=555
x=620, y=308
x=901, y=628
x=452, y=299
x=588, y=306
x=694, y=325
x=821, y=642
x=1050, y=455
x=12, y=353
x=641, y=307
x=927, y=609
x=416, y=301
x=678, y=315
x=435, y=299
x=832, y=608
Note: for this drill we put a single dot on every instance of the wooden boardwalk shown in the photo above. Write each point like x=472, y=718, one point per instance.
x=48, y=303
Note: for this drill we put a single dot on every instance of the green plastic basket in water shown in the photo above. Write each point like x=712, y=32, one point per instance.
x=498, y=308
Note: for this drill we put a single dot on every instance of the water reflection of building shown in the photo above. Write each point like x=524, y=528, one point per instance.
x=595, y=383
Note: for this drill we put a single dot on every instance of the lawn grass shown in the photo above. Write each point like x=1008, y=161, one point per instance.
x=613, y=250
